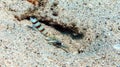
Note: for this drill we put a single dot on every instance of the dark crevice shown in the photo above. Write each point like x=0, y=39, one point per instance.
x=63, y=28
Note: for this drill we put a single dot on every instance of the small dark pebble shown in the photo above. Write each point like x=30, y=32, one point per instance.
x=118, y=27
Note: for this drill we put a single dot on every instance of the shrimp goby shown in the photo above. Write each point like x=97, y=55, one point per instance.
x=49, y=37
x=38, y=26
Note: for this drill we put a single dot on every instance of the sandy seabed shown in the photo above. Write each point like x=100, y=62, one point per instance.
x=97, y=22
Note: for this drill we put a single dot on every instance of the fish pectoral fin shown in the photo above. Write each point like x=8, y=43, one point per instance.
x=32, y=27
x=29, y=26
